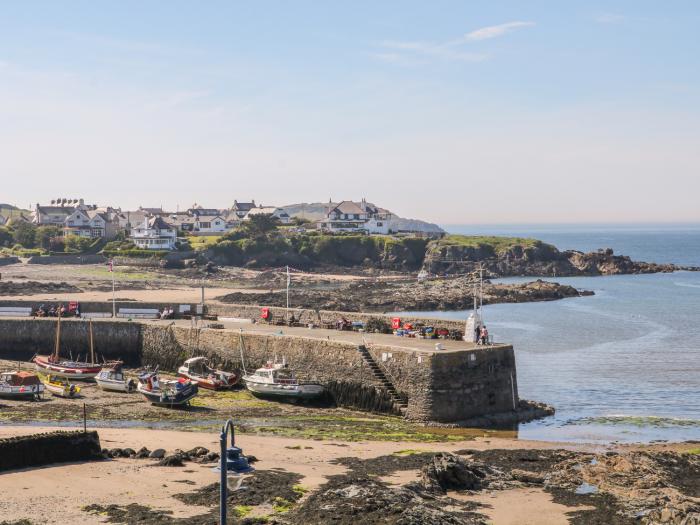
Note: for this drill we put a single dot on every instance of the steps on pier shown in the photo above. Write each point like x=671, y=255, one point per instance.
x=400, y=401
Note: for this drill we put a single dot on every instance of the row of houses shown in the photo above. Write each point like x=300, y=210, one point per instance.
x=158, y=229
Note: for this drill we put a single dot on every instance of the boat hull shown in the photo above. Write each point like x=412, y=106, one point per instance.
x=157, y=397
x=62, y=391
x=277, y=391
x=112, y=385
x=208, y=383
x=66, y=369
x=22, y=392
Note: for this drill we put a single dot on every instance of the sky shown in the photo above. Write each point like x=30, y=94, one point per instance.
x=457, y=112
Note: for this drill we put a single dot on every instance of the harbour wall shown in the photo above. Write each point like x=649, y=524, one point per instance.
x=45, y=449
x=448, y=386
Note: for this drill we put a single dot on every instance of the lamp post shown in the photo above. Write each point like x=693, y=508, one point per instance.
x=232, y=463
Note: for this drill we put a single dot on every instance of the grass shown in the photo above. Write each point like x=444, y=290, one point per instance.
x=282, y=505
x=202, y=242
x=300, y=489
x=693, y=452
x=499, y=244
x=242, y=510
x=409, y=452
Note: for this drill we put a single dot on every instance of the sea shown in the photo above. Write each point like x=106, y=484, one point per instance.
x=622, y=365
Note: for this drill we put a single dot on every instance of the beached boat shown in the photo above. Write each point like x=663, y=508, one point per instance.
x=59, y=386
x=276, y=380
x=54, y=364
x=197, y=370
x=20, y=385
x=165, y=392
x=114, y=380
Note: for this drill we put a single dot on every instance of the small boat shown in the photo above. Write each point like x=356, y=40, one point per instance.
x=165, y=392
x=276, y=380
x=20, y=385
x=197, y=370
x=60, y=387
x=54, y=364
x=114, y=380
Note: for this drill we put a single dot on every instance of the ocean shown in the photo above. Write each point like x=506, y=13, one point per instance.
x=621, y=365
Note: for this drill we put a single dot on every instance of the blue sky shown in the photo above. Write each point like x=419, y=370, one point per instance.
x=452, y=111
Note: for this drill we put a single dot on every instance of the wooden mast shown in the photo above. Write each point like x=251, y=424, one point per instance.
x=57, y=347
x=92, y=345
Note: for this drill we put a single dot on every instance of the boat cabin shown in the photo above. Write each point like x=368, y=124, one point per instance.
x=278, y=374
x=19, y=378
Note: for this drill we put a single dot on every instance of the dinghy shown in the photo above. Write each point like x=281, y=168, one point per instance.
x=197, y=370
x=54, y=364
x=20, y=385
x=166, y=392
x=61, y=387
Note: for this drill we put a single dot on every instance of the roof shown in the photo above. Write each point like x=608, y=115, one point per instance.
x=56, y=210
x=210, y=212
x=93, y=213
x=243, y=206
x=195, y=360
x=348, y=207
x=209, y=217
x=265, y=210
x=22, y=378
x=159, y=223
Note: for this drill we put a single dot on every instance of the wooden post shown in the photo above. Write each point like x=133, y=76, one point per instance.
x=84, y=418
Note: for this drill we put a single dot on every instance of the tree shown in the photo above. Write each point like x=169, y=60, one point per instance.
x=259, y=226
x=6, y=238
x=75, y=243
x=24, y=234
x=46, y=234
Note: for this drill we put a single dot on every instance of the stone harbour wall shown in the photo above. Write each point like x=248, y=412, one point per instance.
x=52, y=447
x=448, y=386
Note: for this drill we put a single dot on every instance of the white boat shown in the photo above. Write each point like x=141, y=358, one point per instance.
x=166, y=392
x=197, y=370
x=114, y=380
x=20, y=385
x=276, y=380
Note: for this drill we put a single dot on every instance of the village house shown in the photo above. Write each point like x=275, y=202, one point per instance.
x=154, y=234
x=241, y=209
x=357, y=217
x=278, y=213
x=74, y=217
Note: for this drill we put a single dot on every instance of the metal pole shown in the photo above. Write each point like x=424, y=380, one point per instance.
x=223, y=488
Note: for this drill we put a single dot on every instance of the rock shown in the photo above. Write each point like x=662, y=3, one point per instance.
x=158, y=453
x=118, y=453
x=209, y=458
x=173, y=460
x=526, y=476
x=143, y=452
x=197, y=452
x=129, y=452
x=449, y=472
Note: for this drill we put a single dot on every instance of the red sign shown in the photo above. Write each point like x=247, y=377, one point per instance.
x=265, y=313
x=395, y=323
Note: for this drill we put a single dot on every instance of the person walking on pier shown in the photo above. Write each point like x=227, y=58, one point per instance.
x=484, y=335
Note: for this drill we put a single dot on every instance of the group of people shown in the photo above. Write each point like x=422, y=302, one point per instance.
x=55, y=311
x=481, y=335
x=167, y=313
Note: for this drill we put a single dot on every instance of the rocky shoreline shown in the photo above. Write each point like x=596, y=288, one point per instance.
x=388, y=296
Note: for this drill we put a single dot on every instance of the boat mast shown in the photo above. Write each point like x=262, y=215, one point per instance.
x=57, y=346
x=92, y=344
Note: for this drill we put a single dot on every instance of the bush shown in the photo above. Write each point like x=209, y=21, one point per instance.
x=24, y=234
x=76, y=244
x=137, y=253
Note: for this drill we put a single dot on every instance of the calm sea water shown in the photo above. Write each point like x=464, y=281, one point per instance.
x=623, y=364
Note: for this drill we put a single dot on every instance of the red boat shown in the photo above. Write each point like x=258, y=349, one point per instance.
x=54, y=364
x=197, y=370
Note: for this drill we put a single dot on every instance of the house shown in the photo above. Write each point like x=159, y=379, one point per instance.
x=181, y=221
x=241, y=209
x=154, y=234
x=56, y=215
x=197, y=210
x=278, y=213
x=358, y=217
x=210, y=224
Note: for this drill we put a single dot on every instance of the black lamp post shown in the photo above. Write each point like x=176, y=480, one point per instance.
x=231, y=463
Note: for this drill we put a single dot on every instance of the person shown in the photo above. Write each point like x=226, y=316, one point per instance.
x=477, y=334
x=484, y=335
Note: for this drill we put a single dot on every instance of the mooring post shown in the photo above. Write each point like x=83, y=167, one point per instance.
x=84, y=419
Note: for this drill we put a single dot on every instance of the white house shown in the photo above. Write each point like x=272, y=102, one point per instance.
x=358, y=217
x=209, y=224
x=278, y=213
x=154, y=234
x=241, y=209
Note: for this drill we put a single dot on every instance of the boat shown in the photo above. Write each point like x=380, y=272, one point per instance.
x=54, y=364
x=20, y=385
x=166, y=392
x=59, y=386
x=197, y=370
x=276, y=380
x=114, y=380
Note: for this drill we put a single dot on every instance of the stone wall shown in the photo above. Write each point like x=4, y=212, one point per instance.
x=45, y=449
x=6, y=261
x=448, y=387
x=67, y=259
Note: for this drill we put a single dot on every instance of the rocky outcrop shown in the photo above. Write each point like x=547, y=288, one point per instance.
x=534, y=258
x=388, y=296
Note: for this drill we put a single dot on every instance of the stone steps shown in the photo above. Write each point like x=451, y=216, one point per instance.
x=399, y=401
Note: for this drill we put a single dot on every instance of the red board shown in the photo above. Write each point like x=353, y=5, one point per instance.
x=395, y=323
x=265, y=313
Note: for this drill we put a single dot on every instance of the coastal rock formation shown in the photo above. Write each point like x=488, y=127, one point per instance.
x=528, y=257
x=387, y=296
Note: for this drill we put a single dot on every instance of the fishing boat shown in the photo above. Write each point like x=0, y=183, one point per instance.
x=276, y=380
x=197, y=370
x=59, y=386
x=20, y=385
x=54, y=364
x=166, y=392
x=114, y=380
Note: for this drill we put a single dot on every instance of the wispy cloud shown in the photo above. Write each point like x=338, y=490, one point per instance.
x=419, y=52
x=485, y=33
x=609, y=18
